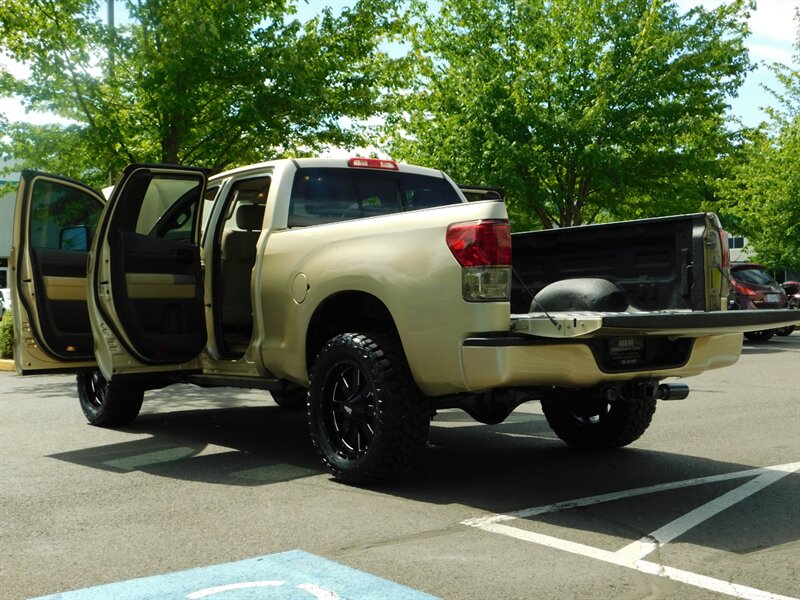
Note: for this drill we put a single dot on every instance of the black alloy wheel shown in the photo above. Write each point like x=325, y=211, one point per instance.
x=367, y=419
x=108, y=403
x=349, y=409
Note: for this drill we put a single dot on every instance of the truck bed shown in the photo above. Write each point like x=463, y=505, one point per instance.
x=657, y=262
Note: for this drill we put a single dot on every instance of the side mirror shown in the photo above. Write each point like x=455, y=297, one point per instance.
x=75, y=239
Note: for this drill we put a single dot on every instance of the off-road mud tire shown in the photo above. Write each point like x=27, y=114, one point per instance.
x=368, y=420
x=759, y=336
x=108, y=403
x=598, y=425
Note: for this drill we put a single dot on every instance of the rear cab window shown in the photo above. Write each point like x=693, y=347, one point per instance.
x=329, y=195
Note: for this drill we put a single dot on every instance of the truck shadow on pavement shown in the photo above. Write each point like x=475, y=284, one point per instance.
x=503, y=468
x=198, y=441
x=773, y=345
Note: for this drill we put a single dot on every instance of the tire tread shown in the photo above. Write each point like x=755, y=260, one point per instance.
x=625, y=423
x=401, y=410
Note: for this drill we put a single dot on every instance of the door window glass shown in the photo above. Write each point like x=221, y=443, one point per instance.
x=168, y=208
x=62, y=217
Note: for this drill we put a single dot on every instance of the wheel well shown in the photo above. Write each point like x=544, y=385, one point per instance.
x=356, y=312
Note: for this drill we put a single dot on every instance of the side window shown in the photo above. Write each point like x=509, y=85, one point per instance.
x=422, y=191
x=62, y=217
x=245, y=205
x=169, y=209
x=328, y=195
x=160, y=206
x=321, y=196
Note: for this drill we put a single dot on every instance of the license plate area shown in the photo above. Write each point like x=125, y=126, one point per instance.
x=626, y=352
x=619, y=354
x=773, y=298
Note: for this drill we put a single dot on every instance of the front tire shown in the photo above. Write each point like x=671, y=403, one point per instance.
x=597, y=424
x=108, y=403
x=367, y=418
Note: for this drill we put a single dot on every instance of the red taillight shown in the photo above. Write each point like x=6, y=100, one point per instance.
x=744, y=290
x=480, y=243
x=373, y=163
x=726, y=253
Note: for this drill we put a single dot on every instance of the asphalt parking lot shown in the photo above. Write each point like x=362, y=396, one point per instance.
x=218, y=493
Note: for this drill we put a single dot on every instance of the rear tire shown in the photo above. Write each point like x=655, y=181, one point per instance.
x=596, y=424
x=108, y=403
x=759, y=336
x=367, y=418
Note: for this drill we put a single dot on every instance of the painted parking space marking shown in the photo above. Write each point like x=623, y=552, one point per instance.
x=632, y=556
x=294, y=575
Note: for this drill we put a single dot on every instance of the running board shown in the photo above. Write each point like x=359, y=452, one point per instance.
x=256, y=383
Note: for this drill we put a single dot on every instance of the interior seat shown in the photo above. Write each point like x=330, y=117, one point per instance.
x=238, y=259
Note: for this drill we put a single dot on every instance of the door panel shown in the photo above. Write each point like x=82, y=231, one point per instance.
x=54, y=222
x=60, y=284
x=162, y=321
x=147, y=280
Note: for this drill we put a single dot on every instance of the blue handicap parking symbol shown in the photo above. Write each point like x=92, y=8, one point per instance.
x=294, y=575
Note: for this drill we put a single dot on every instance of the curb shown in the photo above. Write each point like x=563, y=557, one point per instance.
x=6, y=365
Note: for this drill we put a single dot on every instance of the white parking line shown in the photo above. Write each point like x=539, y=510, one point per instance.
x=670, y=531
x=631, y=555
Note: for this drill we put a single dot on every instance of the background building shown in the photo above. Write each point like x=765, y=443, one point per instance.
x=739, y=248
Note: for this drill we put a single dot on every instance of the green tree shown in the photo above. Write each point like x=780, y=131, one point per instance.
x=7, y=335
x=214, y=83
x=762, y=198
x=582, y=109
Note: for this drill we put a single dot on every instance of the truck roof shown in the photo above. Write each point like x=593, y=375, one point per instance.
x=327, y=163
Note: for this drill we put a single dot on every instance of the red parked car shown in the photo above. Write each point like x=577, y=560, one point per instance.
x=754, y=288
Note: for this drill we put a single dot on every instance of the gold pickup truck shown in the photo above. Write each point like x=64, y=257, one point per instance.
x=369, y=293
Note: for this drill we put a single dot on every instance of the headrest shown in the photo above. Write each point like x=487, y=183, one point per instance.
x=250, y=216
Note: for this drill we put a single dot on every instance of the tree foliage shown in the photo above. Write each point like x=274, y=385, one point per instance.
x=762, y=198
x=7, y=335
x=582, y=109
x=214, y=83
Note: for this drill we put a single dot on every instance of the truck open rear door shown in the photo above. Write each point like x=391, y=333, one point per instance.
x=54, y=223
x=146, y=289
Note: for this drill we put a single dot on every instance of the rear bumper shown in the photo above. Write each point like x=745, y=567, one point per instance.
x=520, y=361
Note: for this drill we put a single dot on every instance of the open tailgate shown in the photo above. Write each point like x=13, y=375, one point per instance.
x=688, y=324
